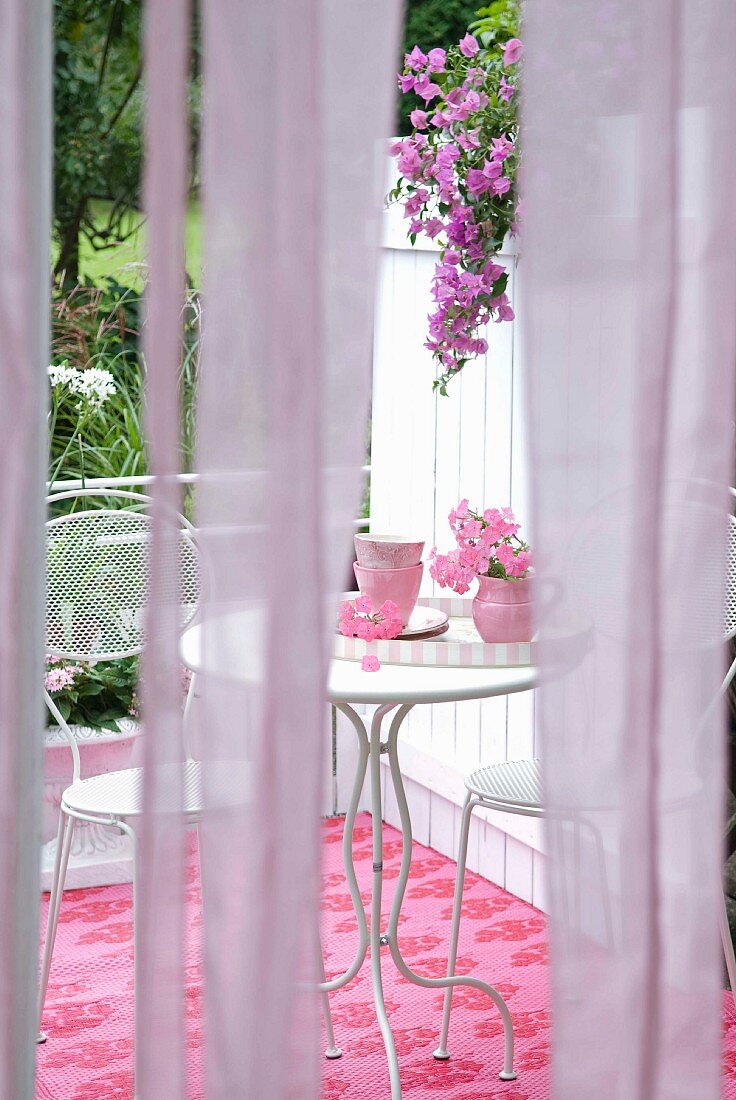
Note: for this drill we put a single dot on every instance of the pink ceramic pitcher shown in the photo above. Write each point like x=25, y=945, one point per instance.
x=502, y=609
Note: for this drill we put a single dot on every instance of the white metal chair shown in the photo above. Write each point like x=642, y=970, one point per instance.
x=515, y=787
x=97, y=587
x=96, y=591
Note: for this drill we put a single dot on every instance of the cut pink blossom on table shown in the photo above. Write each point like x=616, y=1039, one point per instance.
x=370, y=664
x=359, y=620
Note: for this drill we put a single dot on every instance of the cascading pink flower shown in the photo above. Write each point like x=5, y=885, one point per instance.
x=415, y=60
x=469, y=46
x=506, y=90
x=436, y=58
x=458, y=193
x=512, y=51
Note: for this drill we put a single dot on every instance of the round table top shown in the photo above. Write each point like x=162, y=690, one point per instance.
x=233, y=651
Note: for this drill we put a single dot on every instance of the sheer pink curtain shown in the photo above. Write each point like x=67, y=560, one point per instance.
x=25, y=186
x=160, y=887
x=629, y=251
x=297, y=107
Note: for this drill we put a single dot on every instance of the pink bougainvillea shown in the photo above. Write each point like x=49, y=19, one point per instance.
x=359, y=620
x=457, y=172
x=488, y=545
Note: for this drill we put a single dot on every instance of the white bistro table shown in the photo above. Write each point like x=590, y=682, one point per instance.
x=395, y=690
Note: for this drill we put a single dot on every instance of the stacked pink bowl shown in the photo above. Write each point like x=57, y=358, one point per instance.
x=389, y=567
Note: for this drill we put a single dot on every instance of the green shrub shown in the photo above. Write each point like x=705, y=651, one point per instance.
x=93, y=694
x=98, y=327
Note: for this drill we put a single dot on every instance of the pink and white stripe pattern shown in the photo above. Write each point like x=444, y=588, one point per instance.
x=445, y=651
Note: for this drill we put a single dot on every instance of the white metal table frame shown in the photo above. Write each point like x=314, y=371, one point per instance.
x=393, y=688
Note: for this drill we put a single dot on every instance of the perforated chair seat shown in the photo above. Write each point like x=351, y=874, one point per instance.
x=515, y=786
x=120, y=794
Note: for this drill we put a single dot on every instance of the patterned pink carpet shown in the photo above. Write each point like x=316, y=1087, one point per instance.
x=89, y=1011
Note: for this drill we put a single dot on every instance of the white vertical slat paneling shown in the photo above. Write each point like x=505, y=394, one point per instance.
x=494, y=713
x=519, y=869
x=467, y=747
x=329, y=781
x=403, y=407
x=442, y=825
x=444, y=729
x=418, y=798
x=495, y=454
x=420, y=804
x=346, y=761
x=427, y=453
x=519, y=491
x=491, y=853
x=520, y=728
x=539, y=882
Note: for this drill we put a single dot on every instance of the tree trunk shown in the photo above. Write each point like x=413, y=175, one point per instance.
x=67, y=265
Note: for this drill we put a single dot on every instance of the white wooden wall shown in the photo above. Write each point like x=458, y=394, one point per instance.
x=427, y=453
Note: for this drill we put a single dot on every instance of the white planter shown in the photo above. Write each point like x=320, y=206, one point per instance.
x=99, y=856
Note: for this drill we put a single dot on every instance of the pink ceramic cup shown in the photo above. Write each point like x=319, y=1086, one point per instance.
x=400, y=585
x=387, y=551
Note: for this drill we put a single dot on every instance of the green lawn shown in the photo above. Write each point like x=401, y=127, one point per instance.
x=123, y=260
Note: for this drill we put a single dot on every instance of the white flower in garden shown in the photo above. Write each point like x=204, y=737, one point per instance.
x=61, y=374
x=93, y=386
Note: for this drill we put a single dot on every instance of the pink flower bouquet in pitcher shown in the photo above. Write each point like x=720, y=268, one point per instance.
x=489, y=549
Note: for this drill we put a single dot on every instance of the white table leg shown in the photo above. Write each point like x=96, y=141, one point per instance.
x=507, y=1073
x=347, y=854
x=371, y=750
x=377, y=940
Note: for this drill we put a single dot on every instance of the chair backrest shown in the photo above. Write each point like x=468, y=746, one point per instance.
x=97, y=576
x=729, y=600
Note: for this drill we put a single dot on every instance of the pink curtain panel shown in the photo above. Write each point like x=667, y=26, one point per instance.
x=160, y=966
x=25, y=186
x=297, y=111
x=629, y=247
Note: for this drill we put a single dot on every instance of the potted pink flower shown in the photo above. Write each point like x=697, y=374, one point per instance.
x=489, y=549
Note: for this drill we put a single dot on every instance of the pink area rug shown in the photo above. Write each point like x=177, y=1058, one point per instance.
x=89, y=1011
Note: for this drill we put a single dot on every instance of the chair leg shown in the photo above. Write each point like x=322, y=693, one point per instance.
x=200, y=860
x=605, y=893
x=442, y=1053
x=128, y=830
x=727, y=946
x=332, y=1050
x=63, y=847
